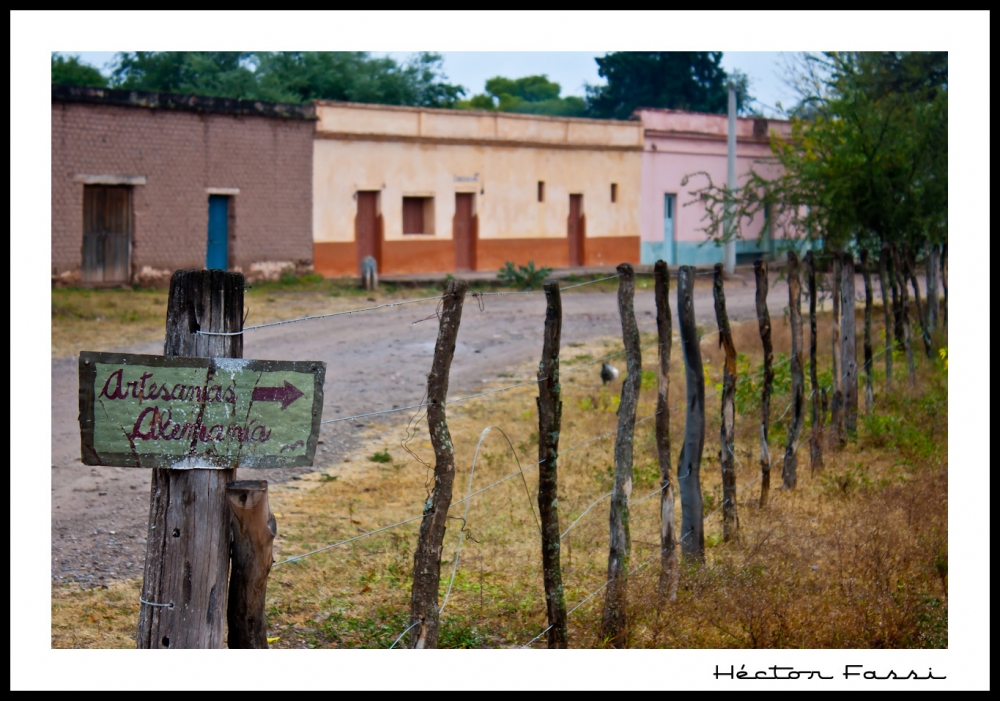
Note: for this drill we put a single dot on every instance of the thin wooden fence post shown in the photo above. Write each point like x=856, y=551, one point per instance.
x=187, y=543
x=848, y=344
x=668, y=541
x=904, y=305
x=692, y=535
x=788, y=472
x=816, y=431
x=764, y=323
x=869, y=381
x=614, y=622
x=883, y=281
x=254, y=530
x=549, y=422
x=892, y=263
x=837, y=393
x=424, y=612
x=727, y=431
x=944, y=284
x=910, y=267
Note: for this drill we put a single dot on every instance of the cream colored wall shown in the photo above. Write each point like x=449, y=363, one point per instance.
x=506, y=188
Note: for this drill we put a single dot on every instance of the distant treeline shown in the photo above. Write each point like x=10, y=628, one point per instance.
x=689, y=80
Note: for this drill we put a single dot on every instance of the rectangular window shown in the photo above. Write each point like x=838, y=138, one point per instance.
x=541, y=191
x=418, y=215
x=614, y=192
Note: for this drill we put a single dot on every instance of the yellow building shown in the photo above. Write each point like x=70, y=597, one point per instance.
x=427, y=190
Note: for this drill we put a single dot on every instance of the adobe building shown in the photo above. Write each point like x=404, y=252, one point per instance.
x=678, y=144
x=144, y=184
x=431, y=191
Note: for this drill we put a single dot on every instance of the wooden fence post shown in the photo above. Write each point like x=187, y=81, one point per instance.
x=904, y=305
x=727, y=431
x=897, y=294
x=932, y=267
x=815, y=444
x=764, y=323
x=883, y=282
x=944, y=284
x=911, y=272
x=668, y=541
x=692, y=536
x=614, y=622
x=187, y=544
x=427, y=556
x=837, y=394
x=788, y=473
x=254, y=529
x=848, y=344
x=869, y=382
x=549, y=422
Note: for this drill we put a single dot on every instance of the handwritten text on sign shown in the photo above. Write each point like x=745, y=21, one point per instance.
x=171, y=412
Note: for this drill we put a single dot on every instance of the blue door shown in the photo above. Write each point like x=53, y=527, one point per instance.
x=669, y=249
x=218, y=233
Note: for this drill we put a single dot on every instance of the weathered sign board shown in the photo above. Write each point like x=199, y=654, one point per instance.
x=183, y=413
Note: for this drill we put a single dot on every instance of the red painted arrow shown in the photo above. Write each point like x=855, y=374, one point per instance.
x=286, y=395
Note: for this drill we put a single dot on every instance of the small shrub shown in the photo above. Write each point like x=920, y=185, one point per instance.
x=523, y=277
x=381, y=456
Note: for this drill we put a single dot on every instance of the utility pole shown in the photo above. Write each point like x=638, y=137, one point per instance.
x=730, y=248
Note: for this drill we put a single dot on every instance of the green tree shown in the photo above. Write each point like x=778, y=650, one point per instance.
x=533, y=94
x=682, y=80
x=289, y=76
x=69, y=71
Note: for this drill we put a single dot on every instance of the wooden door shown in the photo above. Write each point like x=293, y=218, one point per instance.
x=464, y=232
x=217, y=255
x=367, y=229
x=107, y=233
x=575, y=230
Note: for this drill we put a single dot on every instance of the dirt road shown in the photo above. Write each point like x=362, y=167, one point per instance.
x=375, y=361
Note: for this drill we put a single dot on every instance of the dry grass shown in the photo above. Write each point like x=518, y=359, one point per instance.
x=856, y=556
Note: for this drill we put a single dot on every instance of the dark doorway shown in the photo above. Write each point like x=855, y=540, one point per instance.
x=368, y=228
x=107, y=233
x=464, y=232
x=217, y=257
x=575, y=231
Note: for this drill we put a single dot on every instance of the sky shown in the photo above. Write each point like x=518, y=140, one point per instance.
x=573, y=70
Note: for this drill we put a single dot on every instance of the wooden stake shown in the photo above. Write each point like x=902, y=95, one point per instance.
x=848, y=345
x=727, y=430
x=892, y=263
x=669, y=574
x=254, y=530
x=944, y=284
x=549, y=422
x=764, y=323
x=909, y=265
x=427, y=557
x=614, y=623
x=883, y=282
x=837, y=393
x=933, y=265
x=692, y=535
x=869, y=381
x=818, y=410
x=187, y=544
x=788, y=473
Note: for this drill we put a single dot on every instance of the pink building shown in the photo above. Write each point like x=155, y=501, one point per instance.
x=679, y=144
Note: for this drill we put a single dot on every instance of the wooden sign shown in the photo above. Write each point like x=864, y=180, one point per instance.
x=183, y=413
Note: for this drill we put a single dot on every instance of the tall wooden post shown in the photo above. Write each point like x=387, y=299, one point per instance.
x=764, y=323
x=869, y=381
x=692, y=535
x=668, y=541
x=187, y=544
x=892, y=265
x=904, y=305
x=848, y=345
x=932, y=267
x=883, y=282
x=614, y=623
x=427, y=556
x=549, y=422
x=910, y=267
x=837, y=392
x=727, y=430
x=944, y=284
x=815, y=444
x=788, y=473
x=254, y=529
